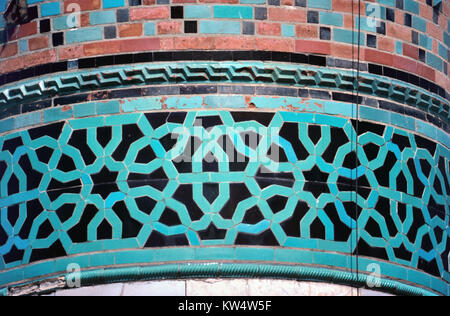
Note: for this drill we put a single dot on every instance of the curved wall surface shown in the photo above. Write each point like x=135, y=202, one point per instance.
x=145, y=140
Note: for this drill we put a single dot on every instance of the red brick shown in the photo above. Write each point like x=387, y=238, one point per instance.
x=307, y=31
x=376, y=56
x=235, y=43
x=405, y=63
x=85, y=5
x=151, y=13
x=102, y=48
x=275, y=44
x=346, y=6
x=400, y=17
x=184, y=1
x=410, y=51
x=72, y=52
x=386, y=44
x=435, y=47
x=169, y=27
x=186, y=43
x=85, y=20
x=12, y=64
x=9, y=50
x=220, y=1
x=25, y=30
x=443, y=22
x=287, y=14
x=149, y=2
x=345, y=50
x=349, y=21
x=287, y=2
x=44, y=57
x=426, y=11
x=270, y=29
x=315, y=47
x=398, y=31
x=139, y=45
x=442, y=80
x=425, y=71
x=167, y=43
x=130, y=30
x=36, y=43
x=435, y=31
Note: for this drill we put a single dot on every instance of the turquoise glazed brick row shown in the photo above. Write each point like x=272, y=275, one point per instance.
x=225, y=102
x=240, y=256
x=227, y=72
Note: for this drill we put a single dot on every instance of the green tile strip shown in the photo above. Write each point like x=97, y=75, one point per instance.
x=222, y=270
x=234, y=264
x=323, y=114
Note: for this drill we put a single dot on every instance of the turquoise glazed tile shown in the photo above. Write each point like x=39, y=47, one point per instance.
x=255, y=254
x=180, y=254
x=129, y=257
x=107, y=187
x=208, y=253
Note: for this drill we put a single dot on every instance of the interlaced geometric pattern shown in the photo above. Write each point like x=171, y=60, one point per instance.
x=201, y=178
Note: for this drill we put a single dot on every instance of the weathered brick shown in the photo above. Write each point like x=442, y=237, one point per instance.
x=25, y=30
x=167, y=43
x=84, y=5
x=275, y=44
x=72, y=52
x=348, y=21
x=346, y=6
x=38, y=43
x=386, y=44
x=9, y=50
x=307, y=31
x=435, y=31
x=426, y=11
x=169, y=27
x=130, y=30
x=315, y=47
x=375, y=56
x=272, y=29
x=410, y=51
x=398, y=32
x=85, y=20
x=235, y=43
x=287, y=15
x=102, y=48
x=11, y=64
x=220, y=1
x=44, y=57
x=403, y=63
x=140, y=44
x=151, y=13
x=345, y=50
x=205, y=43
